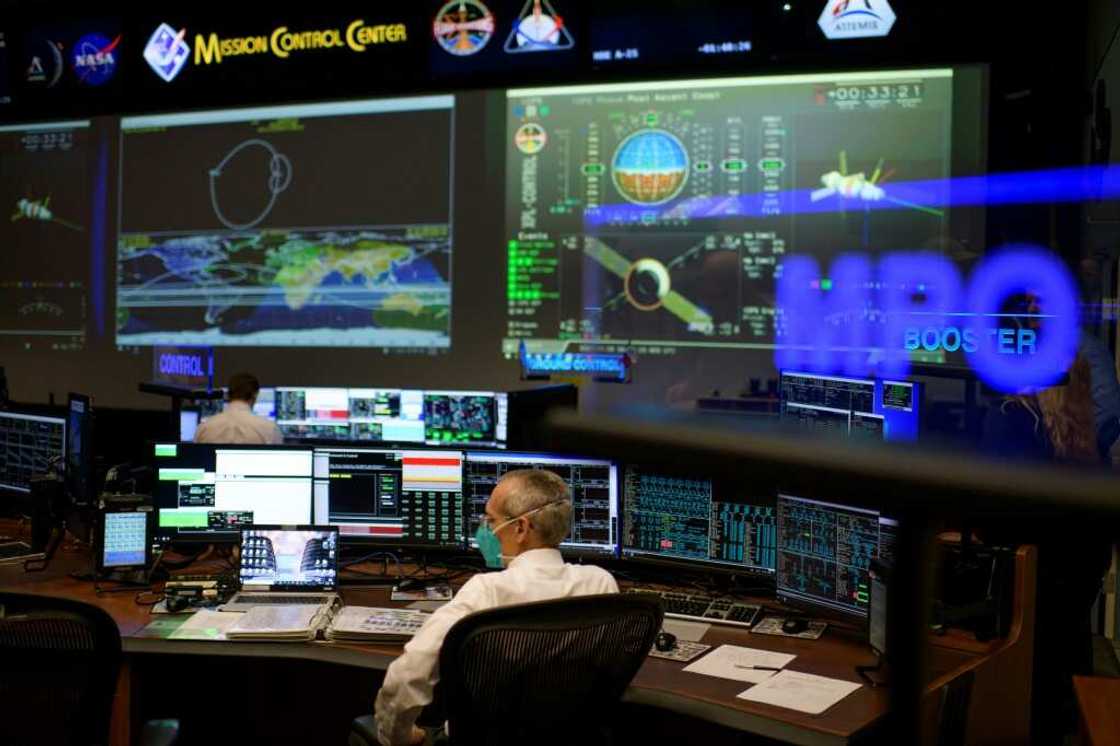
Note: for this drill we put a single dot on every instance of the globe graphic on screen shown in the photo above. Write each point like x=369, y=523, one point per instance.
x=650, y=167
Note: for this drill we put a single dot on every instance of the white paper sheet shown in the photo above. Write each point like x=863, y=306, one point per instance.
x=803, y=692
x=684, y=630
x=734, y=662
x=205, y=624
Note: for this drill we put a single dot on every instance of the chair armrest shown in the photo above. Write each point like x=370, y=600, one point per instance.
x=363, y=731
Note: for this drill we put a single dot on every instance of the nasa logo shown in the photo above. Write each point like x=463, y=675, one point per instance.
x=94, y=58
x=856, y=19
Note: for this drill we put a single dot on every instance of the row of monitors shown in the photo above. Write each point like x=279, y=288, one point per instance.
x=365, y=415
x=434, y=499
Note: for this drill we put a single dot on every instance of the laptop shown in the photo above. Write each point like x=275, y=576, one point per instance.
x=287, y=565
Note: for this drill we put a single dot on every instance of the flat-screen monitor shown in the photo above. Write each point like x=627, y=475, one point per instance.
x=79, y=450
x=188, y=424
x=265, y=405
x=678, y=517
x=277, y=557
x=594, y=489
x=125, y=539
x=29, y=444
x=403, y=498
x=393, y=416
x=207, y=492
x=285, y=229
x=659, y=212
x=878, y=409
x=825, y=551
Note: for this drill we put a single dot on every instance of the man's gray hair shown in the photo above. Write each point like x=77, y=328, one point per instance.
x=530, y=489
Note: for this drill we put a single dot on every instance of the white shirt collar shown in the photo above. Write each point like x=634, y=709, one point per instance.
x=545, y=556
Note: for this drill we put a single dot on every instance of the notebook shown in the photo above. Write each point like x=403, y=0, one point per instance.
x=287, y=566
x=368, y=624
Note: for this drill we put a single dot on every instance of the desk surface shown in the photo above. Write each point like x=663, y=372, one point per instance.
x=1097, y=698
x=659, y=683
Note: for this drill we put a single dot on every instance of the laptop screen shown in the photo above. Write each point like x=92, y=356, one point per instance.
x=304, y=557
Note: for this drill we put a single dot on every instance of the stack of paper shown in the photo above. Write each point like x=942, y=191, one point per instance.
x=363, y=623
x=295, y=623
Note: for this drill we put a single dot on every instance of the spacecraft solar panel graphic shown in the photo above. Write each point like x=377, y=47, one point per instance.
x=658, y=214
x=46, y=188
x=325, y=225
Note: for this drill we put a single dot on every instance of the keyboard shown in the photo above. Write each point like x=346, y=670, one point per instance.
x=261, y=599
x=702, y=608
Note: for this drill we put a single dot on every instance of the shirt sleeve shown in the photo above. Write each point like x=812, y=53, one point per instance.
x=411, y=678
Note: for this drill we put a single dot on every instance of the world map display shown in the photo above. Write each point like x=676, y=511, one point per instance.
x=312, y=225
x=368, y=287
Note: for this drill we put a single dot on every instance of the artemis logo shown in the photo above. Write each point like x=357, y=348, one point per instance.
x=856, y=19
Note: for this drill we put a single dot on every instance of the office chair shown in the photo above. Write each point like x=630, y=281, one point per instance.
x=59, y=661
x=543, y=673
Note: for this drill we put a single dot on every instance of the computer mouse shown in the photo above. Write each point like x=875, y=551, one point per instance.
x=411, y=584
x=665, y=641
x=795, y=625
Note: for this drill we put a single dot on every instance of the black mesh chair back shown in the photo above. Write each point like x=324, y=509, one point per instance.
x=58, y=671
x=544, y=673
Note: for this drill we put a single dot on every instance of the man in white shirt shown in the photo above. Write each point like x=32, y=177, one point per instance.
x=237, y=424
x=527, y=516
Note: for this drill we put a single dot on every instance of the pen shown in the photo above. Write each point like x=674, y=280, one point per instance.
x=758, y=668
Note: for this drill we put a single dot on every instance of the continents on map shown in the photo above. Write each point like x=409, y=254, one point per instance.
x=376, y=287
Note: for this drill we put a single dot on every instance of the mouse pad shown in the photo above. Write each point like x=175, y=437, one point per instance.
x=772, y=625
x=684, y=651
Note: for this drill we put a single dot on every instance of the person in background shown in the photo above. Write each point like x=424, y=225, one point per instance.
x=1102, y=363
x=1055, y=425
x=237, y=424
x=527, y=516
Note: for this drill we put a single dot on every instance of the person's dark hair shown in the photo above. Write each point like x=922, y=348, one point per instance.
x=243, y=387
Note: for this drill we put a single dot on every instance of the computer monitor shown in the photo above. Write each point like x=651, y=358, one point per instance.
x=825, y=551
x=677, y=517
x=468, y=418
x=593, y=484
x=79, y=450
x=313, y=413
x=278, y=557
x=124, y=539
x=29, y=445
x=391, y=497
x=188, y=424
x=858, y=407
x=207, y=492
x=386, y=415
x=265, y=406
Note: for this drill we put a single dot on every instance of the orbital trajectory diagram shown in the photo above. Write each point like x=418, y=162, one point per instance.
x=279, y=178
